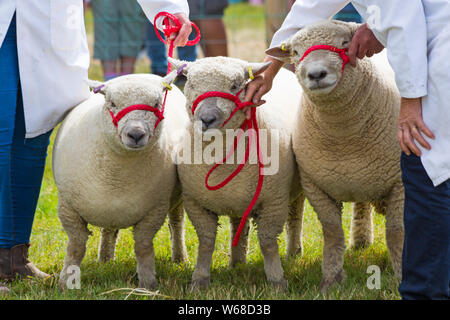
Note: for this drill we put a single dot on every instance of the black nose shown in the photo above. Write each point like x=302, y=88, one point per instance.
x=136, y=135
x=208, y=119
x=317, y=75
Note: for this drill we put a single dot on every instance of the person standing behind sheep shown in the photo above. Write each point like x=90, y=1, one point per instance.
x=119, y=30
x=49, y=57
x=418, y=42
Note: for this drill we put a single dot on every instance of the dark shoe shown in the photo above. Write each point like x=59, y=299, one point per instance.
x=3, y=290
x=14, y=262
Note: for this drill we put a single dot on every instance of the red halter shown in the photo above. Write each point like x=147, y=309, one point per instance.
x=248, y=124
x=158, y=113
x=342, y=53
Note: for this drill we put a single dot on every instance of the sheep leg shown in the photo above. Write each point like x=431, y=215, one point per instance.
x=107, y=245
x=294, y=228
x=205, y=223
x=78, y=234
x=270, y=224
x=239, y=253
x=176, y=227
x=329, y=213
x=362, y=226
x=144, y=232
x=395, y=227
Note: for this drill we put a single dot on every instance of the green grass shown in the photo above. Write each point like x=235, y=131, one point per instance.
x=243, y=282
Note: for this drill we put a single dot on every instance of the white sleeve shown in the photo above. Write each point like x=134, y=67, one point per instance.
x=401, y=27
x=153, y=7
x=305, y=12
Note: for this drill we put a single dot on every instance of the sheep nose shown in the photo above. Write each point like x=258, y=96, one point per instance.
x=208, y=119
x=136, y=135
x=317, y=75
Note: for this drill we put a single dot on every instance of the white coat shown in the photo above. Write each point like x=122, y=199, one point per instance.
x=417, y=36
x=53, y=54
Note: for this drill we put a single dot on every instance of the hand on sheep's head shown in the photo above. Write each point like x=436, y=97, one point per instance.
x=132, y=109
x=318, y=52
x=209, y=76
x=363, y=44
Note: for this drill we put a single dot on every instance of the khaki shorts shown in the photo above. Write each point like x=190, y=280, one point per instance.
x=119, y=29
x=201, y=9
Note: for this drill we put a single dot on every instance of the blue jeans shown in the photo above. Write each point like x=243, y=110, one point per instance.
x=426, y=250
x=156, y=51
x=348, y=14
x=22, y=161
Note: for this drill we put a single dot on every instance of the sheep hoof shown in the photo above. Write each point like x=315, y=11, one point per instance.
x=180, y=258
x=236, y=262
x=328, y=282
x=199, y=284
x=105, y=258
x=361, y=244
x=149, y=284
x=280, y=285
x=292, y=254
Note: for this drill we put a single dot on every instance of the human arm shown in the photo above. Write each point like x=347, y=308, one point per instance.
x=405, y=37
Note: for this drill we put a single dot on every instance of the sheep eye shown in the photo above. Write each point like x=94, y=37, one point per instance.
x=345, y=42
x=234, y=87
x=296, y=52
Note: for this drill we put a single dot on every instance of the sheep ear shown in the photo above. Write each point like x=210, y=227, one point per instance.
x=256, y=68
x=179, y=65
x=352, y=26
x=284, y=51
x=96, y=86
x=169, y=79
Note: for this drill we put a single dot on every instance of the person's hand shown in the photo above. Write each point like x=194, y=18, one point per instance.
x=364, y=44
x=411, y=126
x=260, y=85
x=181, y=37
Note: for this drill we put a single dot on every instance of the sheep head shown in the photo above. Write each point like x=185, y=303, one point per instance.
x=221, y=74
x=320, y=72
x=136, y=128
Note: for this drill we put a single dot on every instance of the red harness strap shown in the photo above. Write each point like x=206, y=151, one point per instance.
x=158, y=113
x=342, y=53
x=248, y=124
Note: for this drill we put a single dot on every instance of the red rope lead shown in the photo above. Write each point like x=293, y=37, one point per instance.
x=168, y=30
x=249, y=125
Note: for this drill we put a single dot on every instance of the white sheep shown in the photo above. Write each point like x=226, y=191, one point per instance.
x=345, y=143
x=280, y=200
x=117, y=177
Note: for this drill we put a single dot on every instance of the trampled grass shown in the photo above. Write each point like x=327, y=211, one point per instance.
x=246, y=281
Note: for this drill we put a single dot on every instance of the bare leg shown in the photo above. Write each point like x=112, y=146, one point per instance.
x=176, y=226
x=144, y=232
x=107, y=245
x=78, y=234
x=239, y=253
x=205, y=223
x=127, y=65
x=109, y=69
x=329, y=213
x=362, y=227
x=294, y=227
x=214, y=37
